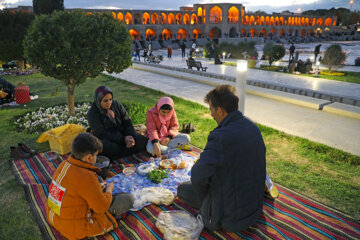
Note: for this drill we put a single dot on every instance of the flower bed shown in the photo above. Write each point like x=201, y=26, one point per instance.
x=18, y=72
x=332, y=73
x=47, y=118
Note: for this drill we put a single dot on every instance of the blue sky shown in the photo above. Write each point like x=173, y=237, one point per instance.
x=252, y=5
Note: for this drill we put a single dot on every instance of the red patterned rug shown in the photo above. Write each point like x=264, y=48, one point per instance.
x=291, y=216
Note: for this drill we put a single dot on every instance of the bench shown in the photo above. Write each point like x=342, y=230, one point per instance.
x=195, y=64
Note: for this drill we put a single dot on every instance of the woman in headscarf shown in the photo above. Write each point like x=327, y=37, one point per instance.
x=110, y=122
x=162, y=128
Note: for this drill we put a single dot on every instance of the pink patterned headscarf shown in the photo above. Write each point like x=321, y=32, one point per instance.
x=163, y=120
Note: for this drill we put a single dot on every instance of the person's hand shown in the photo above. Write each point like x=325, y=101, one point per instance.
x=165, y=141
x=157, y=150
x=103, y=185
x=129, y=141
x=110, y=187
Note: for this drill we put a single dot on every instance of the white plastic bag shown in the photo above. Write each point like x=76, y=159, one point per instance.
x=179, y=225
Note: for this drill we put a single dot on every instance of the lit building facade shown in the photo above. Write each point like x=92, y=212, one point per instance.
x=214, y=21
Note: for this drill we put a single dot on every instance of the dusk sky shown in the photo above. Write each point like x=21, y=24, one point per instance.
x=251, y=5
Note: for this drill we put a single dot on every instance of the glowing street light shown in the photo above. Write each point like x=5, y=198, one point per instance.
x=241, y=71
x=224, y=56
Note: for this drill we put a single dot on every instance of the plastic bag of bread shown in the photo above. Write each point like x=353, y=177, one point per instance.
x=156, y=195
x=179, y=225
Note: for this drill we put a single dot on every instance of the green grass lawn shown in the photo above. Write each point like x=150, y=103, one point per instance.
x=351, y=77
x=320, y=172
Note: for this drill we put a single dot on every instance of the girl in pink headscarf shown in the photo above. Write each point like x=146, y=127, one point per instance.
x=162, y=128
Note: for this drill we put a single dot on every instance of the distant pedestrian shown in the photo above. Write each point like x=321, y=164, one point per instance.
x=292, y=51
x=137, y=53
x=211, y=51
x=169, y=51
x=316, y=51
x=183, y=47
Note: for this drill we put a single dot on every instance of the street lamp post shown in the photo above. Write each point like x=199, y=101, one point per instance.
x=317, y=69
x=241, y=71
x=224, y=56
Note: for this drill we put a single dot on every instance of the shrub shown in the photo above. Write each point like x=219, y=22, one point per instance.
x=251, y=63
x=276, y=53
x=334, y=57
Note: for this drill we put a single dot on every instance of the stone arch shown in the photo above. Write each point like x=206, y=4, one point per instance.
x=150, y=33
x=137, y=18
x=120, y=16
x=251, y=20
x=267, y=20
x=303, y=32
x=277, y=21
x=232, y=32
x=163, y=18
x=215, y=15
x=113, y=14
x=257, y=20
x=327, y=22
x=281, y=21
x=290, y=33
x=272, y=21
x=319, y=22
x=88, y=13
x=289, y=21
x=154, y=18
x=243, y=32
x=201, y=15
x=171, y=18
x=196, y=33
x=302, y=21
x=215, y=33
x=262, y=21
x=307, y=21
x=178, y=18
x=135, y=35
x=200, y=12
x=273, y=31
x=311, y=32
x=166, y=34
x=263, y=32
x=193, y=19
x=128, y=18
x=186, y=19
x=282, y=32
x=253, y=32
x=246, y=20
x=296, y=32
x=233, y=15
x=145, y=18
x=182, y=33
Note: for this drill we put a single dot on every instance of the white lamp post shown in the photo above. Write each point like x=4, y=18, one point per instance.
x=317, y=69
x=224, y=56
x=241, y=71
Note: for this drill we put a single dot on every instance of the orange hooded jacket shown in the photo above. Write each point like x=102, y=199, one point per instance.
x=77, y=207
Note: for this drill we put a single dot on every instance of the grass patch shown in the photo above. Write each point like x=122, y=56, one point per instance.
x=318, y=171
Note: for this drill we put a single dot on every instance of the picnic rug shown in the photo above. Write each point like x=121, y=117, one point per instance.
x=291, y=216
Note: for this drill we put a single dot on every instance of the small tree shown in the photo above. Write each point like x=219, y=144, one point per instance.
x=276, y=53
x=13, y=26
x=47, y=6
x=334, y=56
x=71, y=46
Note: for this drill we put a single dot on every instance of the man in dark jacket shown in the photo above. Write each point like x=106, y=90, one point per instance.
x=227, y=182
x=110, y=122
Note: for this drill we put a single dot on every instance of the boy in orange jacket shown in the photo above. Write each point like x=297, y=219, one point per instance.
x=79, y=206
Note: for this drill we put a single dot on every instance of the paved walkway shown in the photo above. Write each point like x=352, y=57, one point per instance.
x=334, y=88
x=330, y=129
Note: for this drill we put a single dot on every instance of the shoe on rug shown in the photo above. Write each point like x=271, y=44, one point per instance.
x=25, y=148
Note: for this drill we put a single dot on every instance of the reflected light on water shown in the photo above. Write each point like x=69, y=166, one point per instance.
x=222, y=69
x=315, y=84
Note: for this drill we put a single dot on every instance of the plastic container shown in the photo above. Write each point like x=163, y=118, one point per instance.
x=22, y=94
x=61, y=138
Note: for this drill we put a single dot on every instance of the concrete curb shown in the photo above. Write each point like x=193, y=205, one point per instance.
x=343, y=109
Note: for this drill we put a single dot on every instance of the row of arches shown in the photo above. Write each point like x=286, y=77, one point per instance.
x=217, y=33
x=290, y=21
x=215, y=16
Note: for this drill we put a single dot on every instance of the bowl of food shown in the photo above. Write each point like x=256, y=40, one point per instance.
x=166, y=163
x=129, y=171
x=144, y=168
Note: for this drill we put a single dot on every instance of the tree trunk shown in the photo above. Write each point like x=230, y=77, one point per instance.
x=20, y=64
x=329, y=69
x=70, y=97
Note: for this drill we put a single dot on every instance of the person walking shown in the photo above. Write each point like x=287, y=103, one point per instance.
x=137, y=52
x=183, y=47
x=316, y=52
x=169, y=51
x=211, y=51
x=292, y=51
